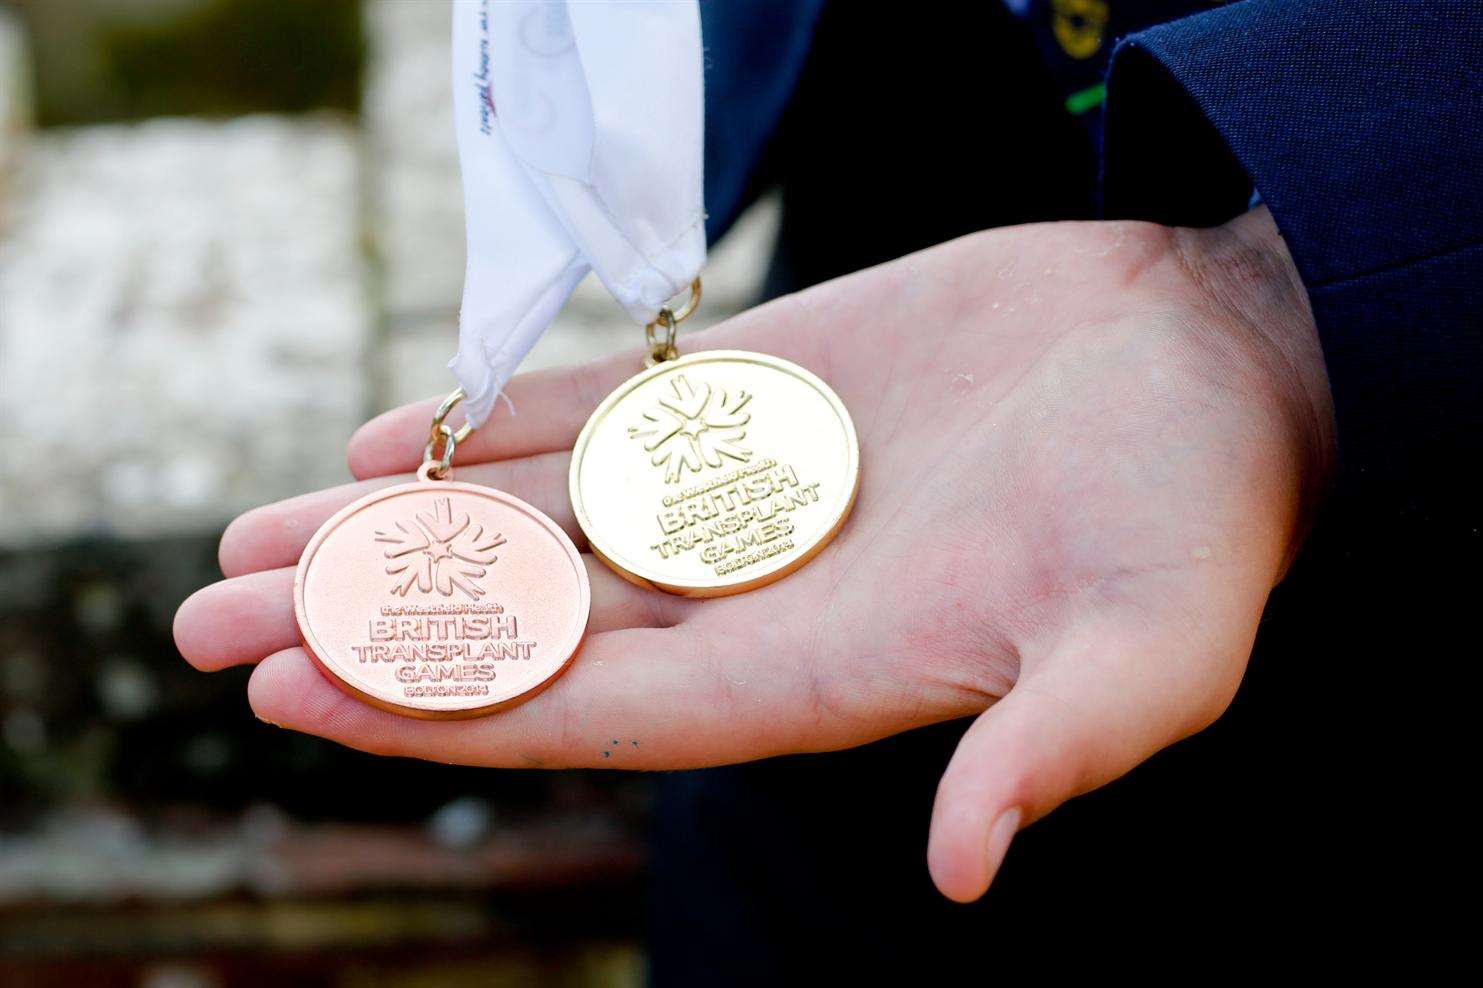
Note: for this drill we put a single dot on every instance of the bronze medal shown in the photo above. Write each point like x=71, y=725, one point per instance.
x=438, y=599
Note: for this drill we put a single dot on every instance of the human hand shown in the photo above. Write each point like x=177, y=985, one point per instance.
x=1087, y=452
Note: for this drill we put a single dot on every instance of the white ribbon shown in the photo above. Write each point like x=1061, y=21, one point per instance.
x=580, y=138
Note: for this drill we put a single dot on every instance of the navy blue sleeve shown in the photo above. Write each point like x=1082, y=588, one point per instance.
x=754, y=53
x=1360, y=124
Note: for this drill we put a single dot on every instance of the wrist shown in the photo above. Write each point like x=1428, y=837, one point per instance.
x=1245, y=270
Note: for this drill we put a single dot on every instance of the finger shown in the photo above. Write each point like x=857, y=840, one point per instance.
x=237, y=621
x=639, y=699
x=540, y=416
x=275, y=534
x=242, y=620
x=547, y=408
x=618, y=604
x=1085, y=717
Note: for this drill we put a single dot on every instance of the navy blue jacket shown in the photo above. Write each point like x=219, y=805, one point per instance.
x=1327, y=789
x=1361, y=126
x=1358, y=122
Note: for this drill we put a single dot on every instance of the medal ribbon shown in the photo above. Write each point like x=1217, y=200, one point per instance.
x=580, y=138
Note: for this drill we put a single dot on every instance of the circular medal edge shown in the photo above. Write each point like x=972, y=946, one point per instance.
x=473, y=708
x=717, y=587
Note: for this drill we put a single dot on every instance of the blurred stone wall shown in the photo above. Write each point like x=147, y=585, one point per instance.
x=195, y=315
x=183, y=322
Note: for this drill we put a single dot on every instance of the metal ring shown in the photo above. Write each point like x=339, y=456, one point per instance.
x=439, y=465
x=667, y=320
x=691, y=304
x=442, y=413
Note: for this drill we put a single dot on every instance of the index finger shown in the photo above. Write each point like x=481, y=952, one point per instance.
x=547, y=408
x=540, y=416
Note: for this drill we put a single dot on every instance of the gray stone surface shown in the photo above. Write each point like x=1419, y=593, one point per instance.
x=195, y=315
x=183, y=318
x=415, y=201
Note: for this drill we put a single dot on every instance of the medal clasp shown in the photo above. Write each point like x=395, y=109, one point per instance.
x=437, y=466
x=660, y=334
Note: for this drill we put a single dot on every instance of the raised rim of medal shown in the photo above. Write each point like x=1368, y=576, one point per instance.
x=476, y=707
x=718, y=587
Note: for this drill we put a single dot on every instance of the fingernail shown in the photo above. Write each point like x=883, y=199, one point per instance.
x=1000, y=834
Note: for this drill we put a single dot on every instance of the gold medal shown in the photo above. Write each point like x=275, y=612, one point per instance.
x=716, y=472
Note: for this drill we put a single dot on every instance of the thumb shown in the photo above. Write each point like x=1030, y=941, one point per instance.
x=1076, y=720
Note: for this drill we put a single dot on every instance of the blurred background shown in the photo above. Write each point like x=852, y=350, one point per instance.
x=230, y=231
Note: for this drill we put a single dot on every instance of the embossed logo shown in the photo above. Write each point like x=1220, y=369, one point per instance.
x=439, y=551
x=692, y=428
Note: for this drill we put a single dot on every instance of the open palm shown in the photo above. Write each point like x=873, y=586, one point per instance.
x=1086, y=453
